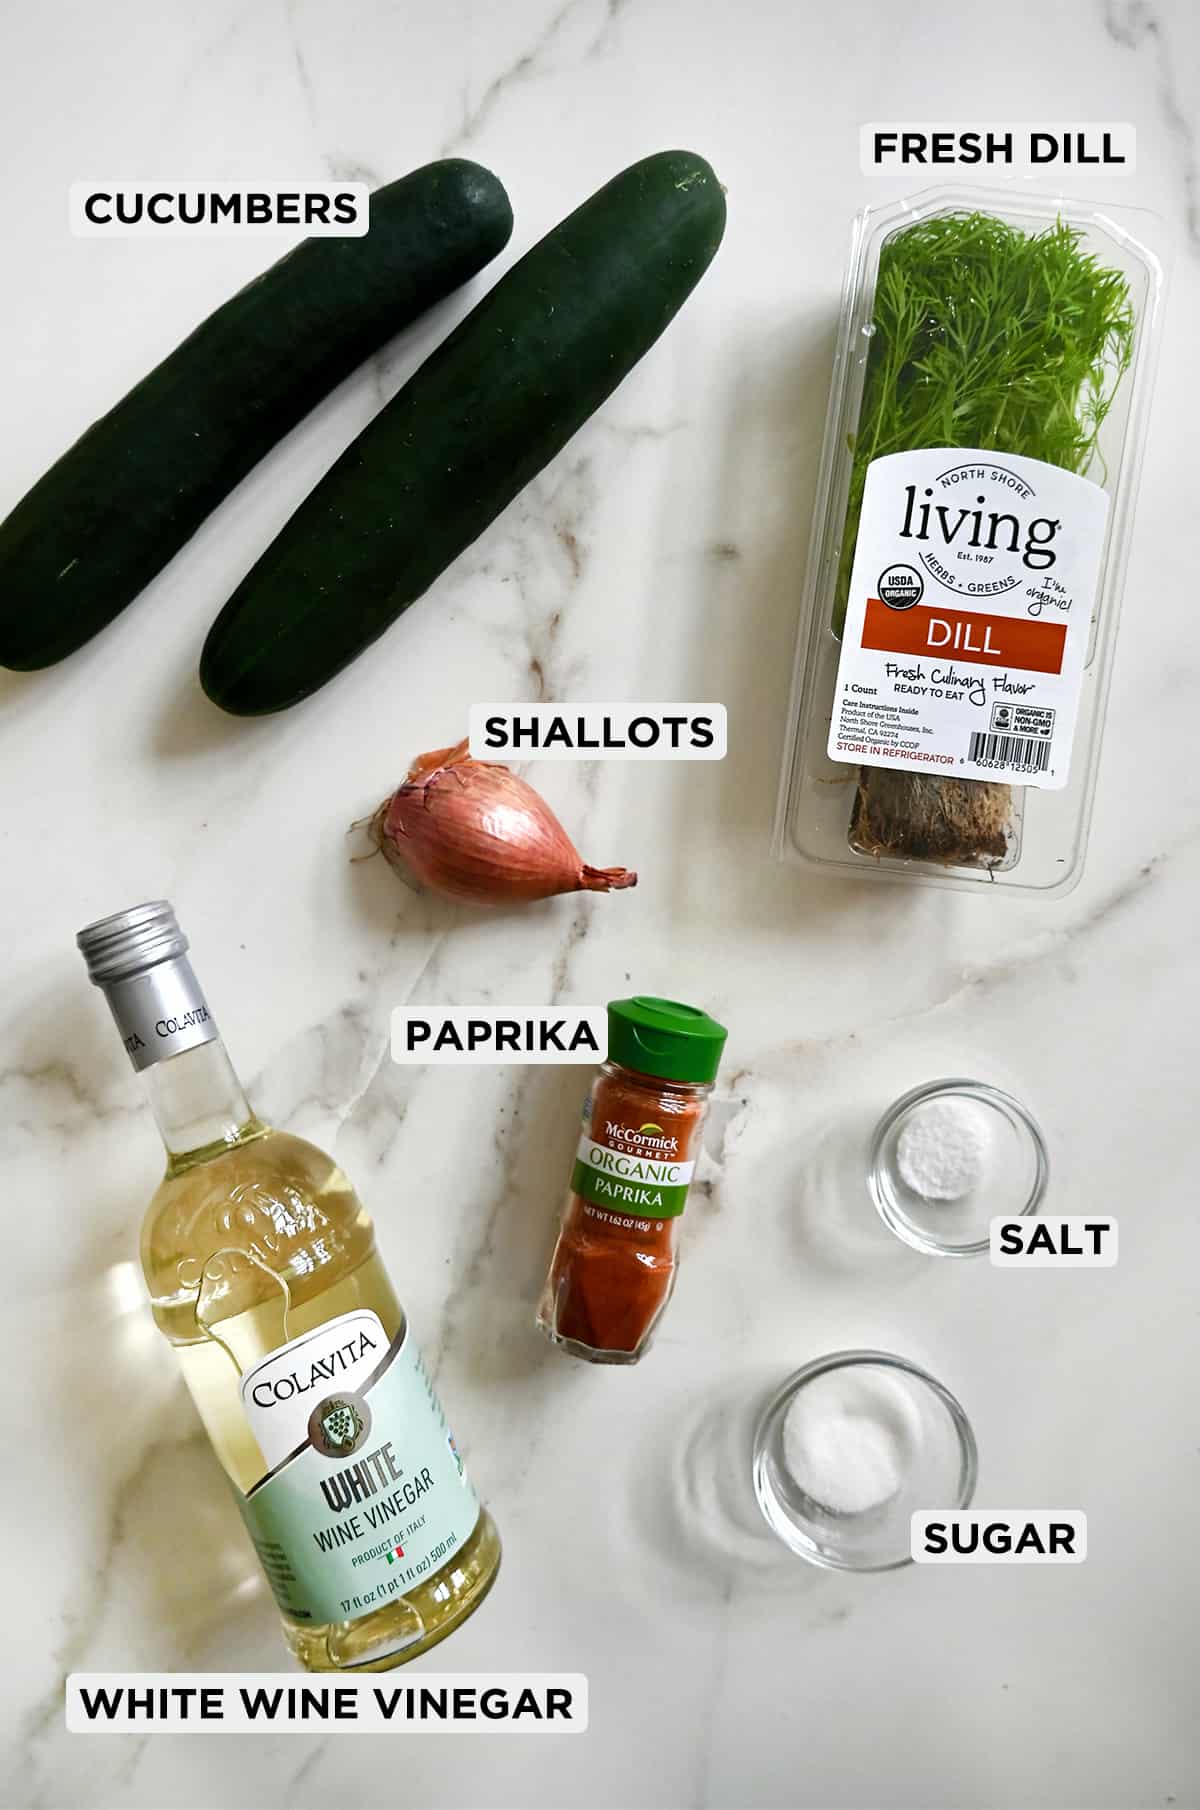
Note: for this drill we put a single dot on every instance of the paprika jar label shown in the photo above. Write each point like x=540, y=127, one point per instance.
x=635, y=1170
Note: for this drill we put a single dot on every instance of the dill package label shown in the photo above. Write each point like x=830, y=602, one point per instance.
x=365, y=1494
x=968, y=616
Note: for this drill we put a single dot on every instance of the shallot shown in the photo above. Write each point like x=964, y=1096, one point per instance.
x=472, y=830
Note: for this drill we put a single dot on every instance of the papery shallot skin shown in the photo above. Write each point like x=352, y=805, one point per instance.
x=473, y=831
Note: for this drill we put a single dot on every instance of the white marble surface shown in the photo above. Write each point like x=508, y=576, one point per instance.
x=660, y=556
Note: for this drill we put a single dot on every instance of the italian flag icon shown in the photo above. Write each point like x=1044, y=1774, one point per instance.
x=396, y=1553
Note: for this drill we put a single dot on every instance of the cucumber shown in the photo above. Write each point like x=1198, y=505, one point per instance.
x=125, y=498
x=476, y=422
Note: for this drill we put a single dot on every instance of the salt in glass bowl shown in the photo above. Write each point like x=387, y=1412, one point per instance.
x=879, y=1438
x=1010, y=1183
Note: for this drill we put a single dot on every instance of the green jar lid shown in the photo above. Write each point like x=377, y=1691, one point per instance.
x=663, y=1038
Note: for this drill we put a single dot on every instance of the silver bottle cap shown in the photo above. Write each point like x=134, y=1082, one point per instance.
x=139, y=958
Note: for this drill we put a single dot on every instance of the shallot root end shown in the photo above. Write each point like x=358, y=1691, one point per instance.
x=606, y=879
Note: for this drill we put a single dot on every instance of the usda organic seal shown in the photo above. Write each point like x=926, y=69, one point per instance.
x=900, y=587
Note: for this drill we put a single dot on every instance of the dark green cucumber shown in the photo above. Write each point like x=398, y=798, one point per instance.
x=476, y=422
x=126, y=497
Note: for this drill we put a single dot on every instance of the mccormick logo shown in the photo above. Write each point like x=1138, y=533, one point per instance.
x=651, y=1140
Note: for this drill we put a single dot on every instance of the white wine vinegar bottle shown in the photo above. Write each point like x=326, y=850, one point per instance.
x=263, y=1274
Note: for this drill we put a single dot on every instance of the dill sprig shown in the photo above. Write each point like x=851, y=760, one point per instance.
x=987, y=336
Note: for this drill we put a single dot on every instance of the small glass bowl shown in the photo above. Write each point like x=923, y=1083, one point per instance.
x=878, y=1438
x=1011, y=1182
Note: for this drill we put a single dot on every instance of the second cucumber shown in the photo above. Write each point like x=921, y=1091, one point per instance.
x=480, y=418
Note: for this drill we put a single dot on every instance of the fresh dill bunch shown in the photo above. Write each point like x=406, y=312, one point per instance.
x=987, y=336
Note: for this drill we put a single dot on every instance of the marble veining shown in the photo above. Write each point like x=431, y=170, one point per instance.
x=598, y=21
x=1139, y=27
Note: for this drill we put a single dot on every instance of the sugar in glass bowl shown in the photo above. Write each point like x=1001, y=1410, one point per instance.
x=849, y=1448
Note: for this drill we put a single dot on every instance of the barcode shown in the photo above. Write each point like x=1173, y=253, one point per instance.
x=1024, y=752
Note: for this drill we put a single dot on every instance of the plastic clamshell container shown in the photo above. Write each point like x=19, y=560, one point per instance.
x=1047, y=829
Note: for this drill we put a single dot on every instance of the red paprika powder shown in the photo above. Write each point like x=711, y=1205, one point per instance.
x=614, y=1265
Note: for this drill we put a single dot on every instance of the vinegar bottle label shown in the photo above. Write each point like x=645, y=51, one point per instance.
x=364, y=1494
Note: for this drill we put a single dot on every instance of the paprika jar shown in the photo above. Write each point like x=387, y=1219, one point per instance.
x=615, y=1261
